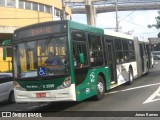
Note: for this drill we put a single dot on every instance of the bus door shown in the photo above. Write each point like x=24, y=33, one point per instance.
x=79, y=44
x=79, y=69
x=142, y=56
x=111, y=60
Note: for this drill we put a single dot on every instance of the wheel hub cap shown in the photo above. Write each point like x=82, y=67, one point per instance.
x=100, y=87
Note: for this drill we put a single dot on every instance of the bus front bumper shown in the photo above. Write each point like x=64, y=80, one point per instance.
x=66, y=94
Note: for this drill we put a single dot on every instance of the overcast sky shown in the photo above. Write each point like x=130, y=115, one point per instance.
x=135, y=21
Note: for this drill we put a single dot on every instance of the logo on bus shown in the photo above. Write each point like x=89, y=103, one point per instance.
x=87, y=90
x=41, y=71
x=92, y=77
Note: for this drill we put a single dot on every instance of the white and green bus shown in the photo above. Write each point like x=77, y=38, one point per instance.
x=89, y=61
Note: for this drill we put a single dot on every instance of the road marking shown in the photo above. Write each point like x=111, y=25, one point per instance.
x=33, y=107
x=132, y=88
x=41, y=105
x=153, y=96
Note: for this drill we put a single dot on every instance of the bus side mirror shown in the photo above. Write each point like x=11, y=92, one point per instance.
x=81, y=58
x=5, y=44
x=4, y=53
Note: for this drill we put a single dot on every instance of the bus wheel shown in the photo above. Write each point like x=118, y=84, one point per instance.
x=100, y=88
x=130, y=76
x=11, y=97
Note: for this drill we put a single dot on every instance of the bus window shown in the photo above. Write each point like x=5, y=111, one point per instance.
x=125, y=50
x=95, y=50
x=131, y=51
x=78, y=35
x=119, y=52
x=79, y=48
x=22, y=57
x=31, y=56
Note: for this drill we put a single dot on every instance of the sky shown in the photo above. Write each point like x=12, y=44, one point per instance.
x=134, y=22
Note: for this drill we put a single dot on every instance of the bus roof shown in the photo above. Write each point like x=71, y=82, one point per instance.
x=89, y=28
x=117, y=34
x=53, y=27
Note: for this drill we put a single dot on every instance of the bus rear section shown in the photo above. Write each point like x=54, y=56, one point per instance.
x=121, y=58
x=143, y=55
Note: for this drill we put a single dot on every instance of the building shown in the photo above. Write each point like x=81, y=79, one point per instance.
x=18, y=13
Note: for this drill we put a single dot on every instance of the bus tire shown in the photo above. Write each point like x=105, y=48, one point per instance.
x=11, y=98
x=100, y=88
x=130, y=76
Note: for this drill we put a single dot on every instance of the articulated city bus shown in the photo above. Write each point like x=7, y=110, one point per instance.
x=69, y=61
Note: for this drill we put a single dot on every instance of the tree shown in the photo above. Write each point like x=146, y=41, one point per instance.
x=157, y=25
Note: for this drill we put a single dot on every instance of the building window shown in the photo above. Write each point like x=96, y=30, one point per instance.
x=57, y=13
x=2, y=3
x=47, y=9
x=21, y=4
x=9, y=52
x=11, y=3
x=41, y=8
x=28, y=5
x=35, y=6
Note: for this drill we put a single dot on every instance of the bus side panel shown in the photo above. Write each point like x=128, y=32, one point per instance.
x=89, y=87
x=123, y=70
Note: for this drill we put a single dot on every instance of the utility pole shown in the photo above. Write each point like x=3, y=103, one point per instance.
x=63, y=15
x=117, y=23
x=89, y=13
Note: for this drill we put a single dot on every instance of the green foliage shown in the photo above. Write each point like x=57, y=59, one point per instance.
x=157, y=25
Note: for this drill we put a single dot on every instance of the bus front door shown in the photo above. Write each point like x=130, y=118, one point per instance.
x=111, y=61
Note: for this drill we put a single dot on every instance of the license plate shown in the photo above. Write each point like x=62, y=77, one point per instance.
x=40, y=95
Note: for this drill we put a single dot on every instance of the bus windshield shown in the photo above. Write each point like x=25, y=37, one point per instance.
x=45, y=57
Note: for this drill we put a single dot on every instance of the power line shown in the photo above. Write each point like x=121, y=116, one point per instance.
x=142, y=26
x=136, y=24
x=127, y=16
x=148, y=32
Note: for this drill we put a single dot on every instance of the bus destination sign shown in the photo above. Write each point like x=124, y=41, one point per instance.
x=34, y=31
x=39, y=31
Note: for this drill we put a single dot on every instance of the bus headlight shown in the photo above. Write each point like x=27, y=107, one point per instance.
x=66, y=83
x=17, y=86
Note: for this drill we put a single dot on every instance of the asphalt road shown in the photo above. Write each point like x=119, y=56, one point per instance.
x=143, y=95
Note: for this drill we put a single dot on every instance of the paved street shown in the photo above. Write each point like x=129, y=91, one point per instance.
x=142, y=95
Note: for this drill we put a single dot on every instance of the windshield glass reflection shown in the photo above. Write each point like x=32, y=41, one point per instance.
x=41, y=58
